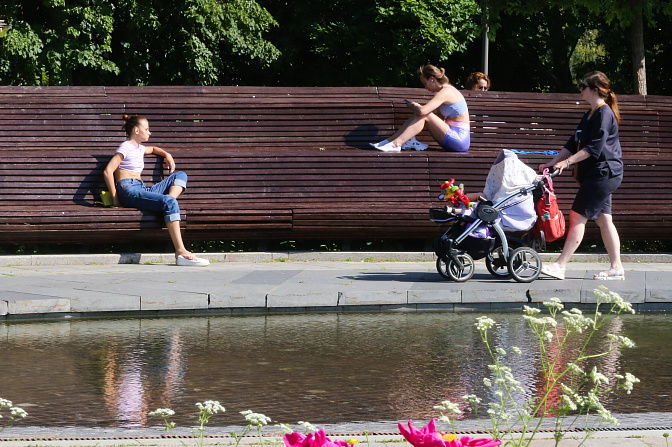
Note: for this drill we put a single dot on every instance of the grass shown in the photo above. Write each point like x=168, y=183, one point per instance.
x=378, y=245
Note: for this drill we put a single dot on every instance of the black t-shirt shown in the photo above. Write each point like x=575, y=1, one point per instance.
x=598, y=135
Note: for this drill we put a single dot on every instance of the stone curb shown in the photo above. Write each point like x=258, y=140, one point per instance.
x=293, y=256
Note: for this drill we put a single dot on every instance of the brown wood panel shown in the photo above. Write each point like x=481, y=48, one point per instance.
x=275, y=162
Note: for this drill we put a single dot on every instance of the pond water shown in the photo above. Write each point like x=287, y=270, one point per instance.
x=322, y=368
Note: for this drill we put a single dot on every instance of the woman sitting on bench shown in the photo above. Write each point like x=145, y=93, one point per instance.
x=451, y=131
x=123, y=180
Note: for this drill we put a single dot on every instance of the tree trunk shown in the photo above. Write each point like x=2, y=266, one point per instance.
x=638, y=56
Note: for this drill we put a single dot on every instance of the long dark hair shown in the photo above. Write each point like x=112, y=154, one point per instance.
x=596, y=80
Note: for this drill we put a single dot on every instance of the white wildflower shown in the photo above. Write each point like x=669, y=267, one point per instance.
x=603, y=295
x=573, y=367
x=606, y=415
x=446, y=419
x=505, y=416
x=472, y=399
x=548, y=336
x=18, y=412
x=5, y=403
x=554, y=304
x=531, y=311
x=541, y=322
x=500, y=351
x=310, y=428
x=516, y=350
x=623, y=342
x=591, y=401
x=597, y=377
x=484, y=323
x=255, y=418
x=210, y=407
x=487, y=382
x=568, y=402
x=448, y=407
x=628, y=382
x=575, y=321
x=162, y=413
x=285, y=428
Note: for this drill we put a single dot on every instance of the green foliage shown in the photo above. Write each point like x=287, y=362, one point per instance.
x=536, y=45
x=133, y=42
x=367, y=42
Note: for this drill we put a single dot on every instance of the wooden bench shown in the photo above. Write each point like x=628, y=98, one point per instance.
x=292, y=163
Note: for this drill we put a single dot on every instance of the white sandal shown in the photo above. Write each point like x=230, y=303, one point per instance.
x=197, y=262
x=556, y=272
x=610, y=275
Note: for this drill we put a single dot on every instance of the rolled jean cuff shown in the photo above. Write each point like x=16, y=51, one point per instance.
x=172, y=217
x=180, y=182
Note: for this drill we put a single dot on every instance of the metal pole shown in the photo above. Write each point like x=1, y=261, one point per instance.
x=485, y=51
x=486, y=42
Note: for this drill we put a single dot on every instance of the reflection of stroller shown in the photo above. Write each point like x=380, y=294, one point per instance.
x=480, y=232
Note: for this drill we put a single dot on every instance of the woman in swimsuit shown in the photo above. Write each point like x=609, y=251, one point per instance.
x=451, y=131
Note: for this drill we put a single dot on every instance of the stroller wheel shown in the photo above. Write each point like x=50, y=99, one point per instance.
x=496, y=264
x=453, y=271
x=524, y=264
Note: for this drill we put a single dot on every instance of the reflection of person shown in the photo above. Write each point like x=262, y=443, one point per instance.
x=451, y=131
x=123, y=180
x=596, y=150
x=478, y=81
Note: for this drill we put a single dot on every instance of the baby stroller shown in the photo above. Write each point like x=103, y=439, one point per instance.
x=480, y=232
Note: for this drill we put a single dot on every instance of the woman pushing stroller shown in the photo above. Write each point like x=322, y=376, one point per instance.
x=595, y=149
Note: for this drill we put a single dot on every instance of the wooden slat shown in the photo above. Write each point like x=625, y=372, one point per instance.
x=276, y=162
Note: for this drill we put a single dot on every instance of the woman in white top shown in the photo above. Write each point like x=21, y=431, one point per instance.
x=451, y=130
x=123, y=180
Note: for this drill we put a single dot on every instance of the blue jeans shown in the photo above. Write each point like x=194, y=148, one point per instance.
x=133, y=193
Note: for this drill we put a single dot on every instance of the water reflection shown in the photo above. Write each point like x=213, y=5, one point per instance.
x=327, y=368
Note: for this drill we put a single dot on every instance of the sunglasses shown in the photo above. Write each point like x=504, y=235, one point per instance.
x=583, y=85
x=482, y=87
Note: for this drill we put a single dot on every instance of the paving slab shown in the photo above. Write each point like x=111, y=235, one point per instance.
x=173, y=301
x=309, y=288
x=267, y=286
x=632, y=290
x=658, y=287
x=239, y=296
x=568, y=291
x=19, y=303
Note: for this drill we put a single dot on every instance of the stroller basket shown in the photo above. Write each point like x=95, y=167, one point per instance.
x=478, y=248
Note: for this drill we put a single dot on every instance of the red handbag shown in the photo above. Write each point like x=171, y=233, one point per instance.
x=550, y=224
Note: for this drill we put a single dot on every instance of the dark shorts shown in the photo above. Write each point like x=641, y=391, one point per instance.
x=594, y=196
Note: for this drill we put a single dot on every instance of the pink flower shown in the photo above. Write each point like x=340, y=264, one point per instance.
x=318, y=439
x=428, y=437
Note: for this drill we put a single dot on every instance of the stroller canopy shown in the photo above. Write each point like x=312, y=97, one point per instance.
x=507, y=175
